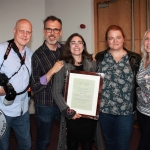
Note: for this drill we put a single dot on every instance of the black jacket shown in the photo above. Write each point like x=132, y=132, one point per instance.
x=134, y=60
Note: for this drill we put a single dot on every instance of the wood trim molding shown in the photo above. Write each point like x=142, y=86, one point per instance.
x=95, y=27
x=96, y=24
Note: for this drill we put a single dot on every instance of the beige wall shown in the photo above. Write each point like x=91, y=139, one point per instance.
x=72, y=12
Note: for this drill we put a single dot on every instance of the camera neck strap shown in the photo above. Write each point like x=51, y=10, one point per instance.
x=22, y=59
x=13, y=45
x=15, y=48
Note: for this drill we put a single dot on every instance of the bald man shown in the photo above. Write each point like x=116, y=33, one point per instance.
x=15, y=71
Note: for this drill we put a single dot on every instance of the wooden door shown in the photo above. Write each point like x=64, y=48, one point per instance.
x=119, y=12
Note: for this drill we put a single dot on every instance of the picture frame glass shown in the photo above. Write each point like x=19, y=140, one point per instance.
x=83, y=92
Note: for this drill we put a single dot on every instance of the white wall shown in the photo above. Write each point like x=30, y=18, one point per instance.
x=73, y=13
x=13, y=10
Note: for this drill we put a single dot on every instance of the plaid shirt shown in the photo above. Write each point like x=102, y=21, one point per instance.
x=43, y=60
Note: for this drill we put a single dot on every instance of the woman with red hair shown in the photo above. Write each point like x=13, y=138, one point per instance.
x=118, y=102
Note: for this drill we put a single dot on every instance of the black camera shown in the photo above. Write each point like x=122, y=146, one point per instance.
x=3, y=79
x=10, y=94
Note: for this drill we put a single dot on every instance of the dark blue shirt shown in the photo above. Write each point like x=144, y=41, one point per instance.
x=43, y=60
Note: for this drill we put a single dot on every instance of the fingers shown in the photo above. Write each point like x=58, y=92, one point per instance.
x=76, y=116
x=61, y=62
x=94, y=59
x=57, y=66
x=2, y=92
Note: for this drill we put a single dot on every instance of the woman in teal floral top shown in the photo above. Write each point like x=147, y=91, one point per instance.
x=119, y=90
x=143, y=92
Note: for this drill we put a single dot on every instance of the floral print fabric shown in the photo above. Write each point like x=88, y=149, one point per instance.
x=117, y=85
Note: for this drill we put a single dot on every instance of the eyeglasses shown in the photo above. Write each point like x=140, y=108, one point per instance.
x=55, y=30
x=74, y=43
x=25, y=32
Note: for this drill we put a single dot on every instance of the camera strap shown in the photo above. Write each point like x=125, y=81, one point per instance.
x=22, y=60
x=15, y=48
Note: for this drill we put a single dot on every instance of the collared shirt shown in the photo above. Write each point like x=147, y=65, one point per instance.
x=117, y=85
x=19, y=81
x=42, y=61
x=143, y=91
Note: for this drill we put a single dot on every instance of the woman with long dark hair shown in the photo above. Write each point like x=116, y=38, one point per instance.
x=79, y=130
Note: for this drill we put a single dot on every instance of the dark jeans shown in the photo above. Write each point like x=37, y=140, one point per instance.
x=117, y=130
x=44, y=118
x=21, y=127
x=144, y=124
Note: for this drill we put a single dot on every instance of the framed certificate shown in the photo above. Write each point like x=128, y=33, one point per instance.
x=83, y=92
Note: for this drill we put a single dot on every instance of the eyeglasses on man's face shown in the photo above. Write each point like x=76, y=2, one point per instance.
x=55, y=30
x=76, y=43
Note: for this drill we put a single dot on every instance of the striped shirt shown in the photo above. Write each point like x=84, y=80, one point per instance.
x=143, y=91
x=43, y=60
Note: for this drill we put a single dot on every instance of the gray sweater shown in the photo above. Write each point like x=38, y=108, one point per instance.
x=59, y=78
x=58, y=86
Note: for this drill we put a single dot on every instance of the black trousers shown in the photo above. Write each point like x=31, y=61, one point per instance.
x=144, y=125
x=74, y=145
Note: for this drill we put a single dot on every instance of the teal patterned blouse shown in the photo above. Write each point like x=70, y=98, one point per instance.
x=117, y=85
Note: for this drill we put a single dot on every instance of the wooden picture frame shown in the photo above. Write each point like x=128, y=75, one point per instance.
x=83, y=92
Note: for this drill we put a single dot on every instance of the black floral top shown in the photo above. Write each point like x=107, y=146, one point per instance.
x=117, y=86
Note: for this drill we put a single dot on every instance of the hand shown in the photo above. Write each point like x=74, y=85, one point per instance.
x=2, y=91
x=57, y=66
x=76, y=116
x=94, y=59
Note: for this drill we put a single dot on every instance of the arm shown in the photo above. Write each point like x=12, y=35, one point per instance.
x=57, y=66
x=58, y=85
x=36, y=82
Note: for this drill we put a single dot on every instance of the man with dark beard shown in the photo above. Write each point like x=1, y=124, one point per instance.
x=45, y=63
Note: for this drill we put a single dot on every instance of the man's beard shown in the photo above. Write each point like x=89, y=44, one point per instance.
x=52, y=42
